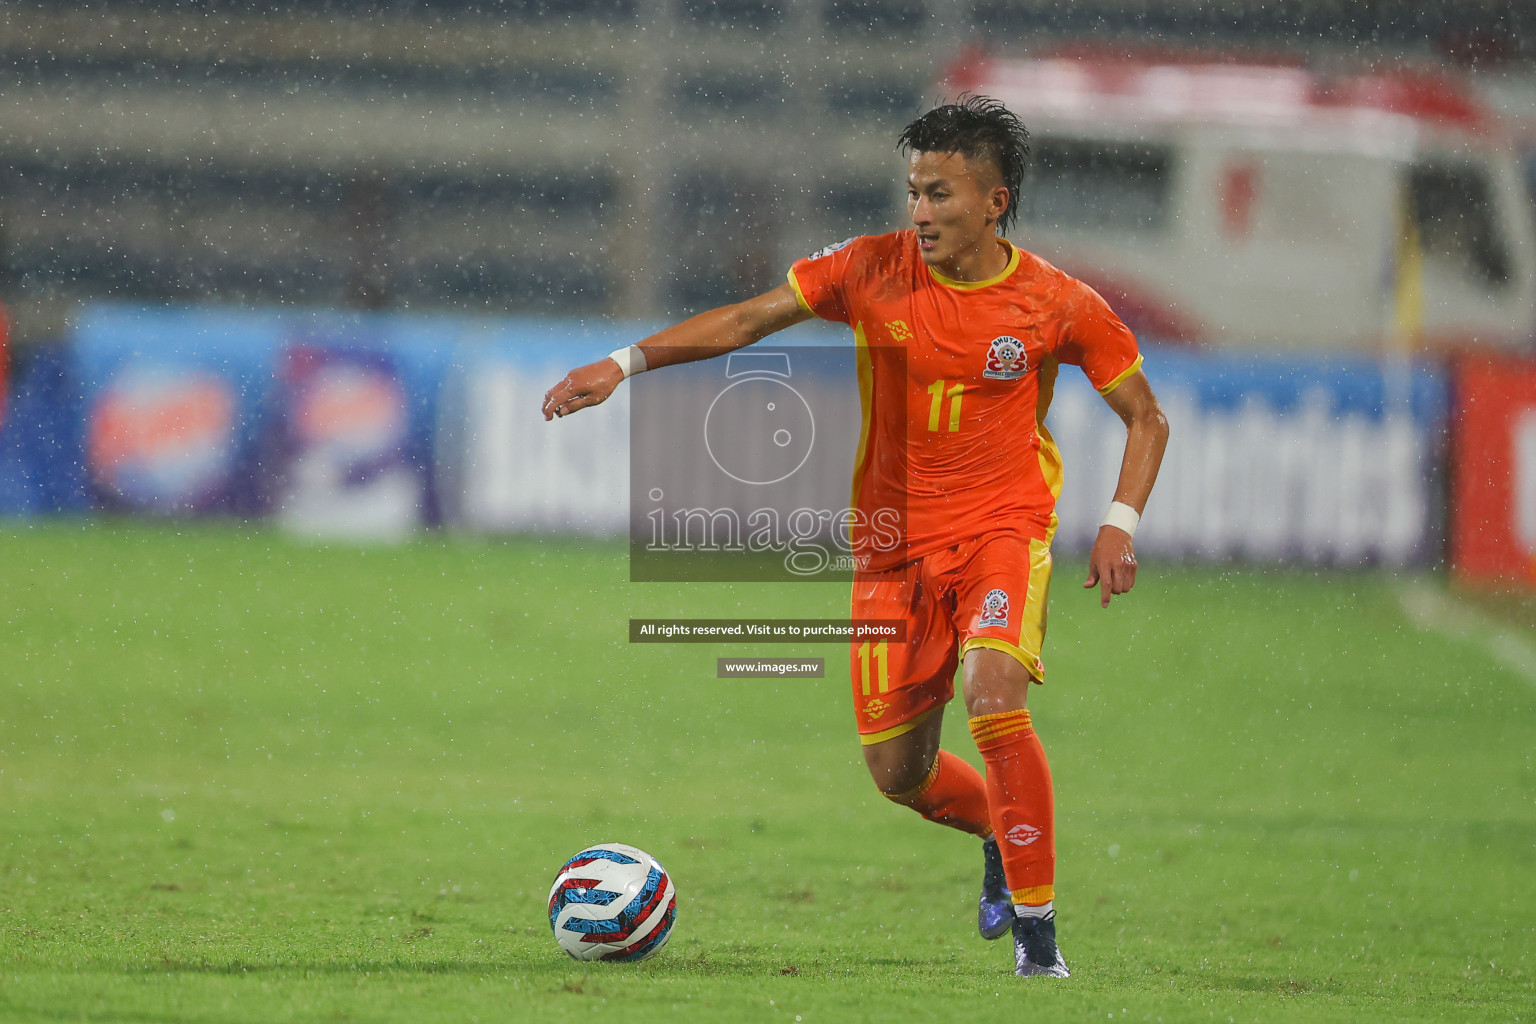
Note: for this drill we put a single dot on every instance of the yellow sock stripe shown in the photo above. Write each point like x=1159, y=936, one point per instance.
x=1000, y=731
x=987, y=727
x=1003, y=726
x=1034, y=895
x=1001, y=716
x=918, y=790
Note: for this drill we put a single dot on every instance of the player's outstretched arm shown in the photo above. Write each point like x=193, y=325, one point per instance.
x=1112, y=563
x=709, y=334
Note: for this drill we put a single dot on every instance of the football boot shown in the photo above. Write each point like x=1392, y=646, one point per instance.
x=994, y=915
x=1034, y=948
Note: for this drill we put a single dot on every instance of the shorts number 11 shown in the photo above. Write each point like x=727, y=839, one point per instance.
x=864, y=652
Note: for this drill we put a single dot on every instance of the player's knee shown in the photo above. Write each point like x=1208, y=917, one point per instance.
x=903, y=789
x=983, y=701
x=898, y=778
x=994, y=682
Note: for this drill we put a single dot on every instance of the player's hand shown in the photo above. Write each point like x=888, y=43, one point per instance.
x=583, y=386
x=1111, y=564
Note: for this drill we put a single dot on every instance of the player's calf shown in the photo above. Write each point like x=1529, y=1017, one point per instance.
x=951, y=793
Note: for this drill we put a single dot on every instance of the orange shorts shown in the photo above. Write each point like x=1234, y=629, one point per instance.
x=986, y=592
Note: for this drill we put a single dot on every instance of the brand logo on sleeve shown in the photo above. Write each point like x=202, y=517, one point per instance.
x=1006, y=359
x=829, y=250
x=994, y=609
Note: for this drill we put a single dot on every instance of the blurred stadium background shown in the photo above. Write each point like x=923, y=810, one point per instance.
x=319, y=259
x=305, y=269
x=634, y=157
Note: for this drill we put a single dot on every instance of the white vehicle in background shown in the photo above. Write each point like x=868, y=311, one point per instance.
x=1270, y=206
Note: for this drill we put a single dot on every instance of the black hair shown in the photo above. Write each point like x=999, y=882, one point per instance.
x=976, y=127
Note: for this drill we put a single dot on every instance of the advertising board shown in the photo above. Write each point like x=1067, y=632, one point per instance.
x=1493, y=478
x=171, y=407
x=1270, y=459
x=499, y=467
x=323, y=419
x=373, y=426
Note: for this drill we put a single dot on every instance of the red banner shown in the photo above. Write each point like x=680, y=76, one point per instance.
x=1493, y=475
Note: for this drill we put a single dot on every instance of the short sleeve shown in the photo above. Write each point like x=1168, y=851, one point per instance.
x=818, y=281
x=1094, y=338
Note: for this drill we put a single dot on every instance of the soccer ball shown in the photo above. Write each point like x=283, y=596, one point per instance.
x=612, y=902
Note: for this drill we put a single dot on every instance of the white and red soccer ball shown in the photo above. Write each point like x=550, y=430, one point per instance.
x=612, y=902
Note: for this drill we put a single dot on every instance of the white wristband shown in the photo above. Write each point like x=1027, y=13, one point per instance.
x=1122, y=517
x=631, y=360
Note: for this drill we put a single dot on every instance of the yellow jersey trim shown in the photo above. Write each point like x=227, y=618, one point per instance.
x=1036, y=601
x=1031, y=665
x=799, y=295
x=869, y=739
x=866, y=374
x=1031, y=617
x=1048, y=455
x=1013, y=264
x=1125, y=375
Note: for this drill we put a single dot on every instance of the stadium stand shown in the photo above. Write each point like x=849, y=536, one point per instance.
x=524, y=155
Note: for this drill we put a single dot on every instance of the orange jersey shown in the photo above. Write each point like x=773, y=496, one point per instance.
x=955, y=378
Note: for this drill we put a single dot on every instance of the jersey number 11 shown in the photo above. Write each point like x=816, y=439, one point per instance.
x=938, y=390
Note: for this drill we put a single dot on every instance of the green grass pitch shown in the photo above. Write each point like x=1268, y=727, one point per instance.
x=242, y=779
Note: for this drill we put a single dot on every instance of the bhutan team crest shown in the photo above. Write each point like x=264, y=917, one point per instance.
x=1006, y=359
x=994, y=609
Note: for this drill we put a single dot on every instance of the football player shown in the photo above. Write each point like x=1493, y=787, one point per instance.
x=960, y=335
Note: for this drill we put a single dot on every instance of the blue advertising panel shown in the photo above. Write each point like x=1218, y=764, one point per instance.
x=1270, y=458
x=173, y=401
x=372, y=426
x=194, y=410
x=345, y=447
x=331, y=421
x=501, y=468
x=41, y=462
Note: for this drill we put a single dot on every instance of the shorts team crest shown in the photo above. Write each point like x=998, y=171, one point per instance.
x=994, y=609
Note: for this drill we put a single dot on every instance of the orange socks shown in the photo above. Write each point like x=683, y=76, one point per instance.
x=952, y=794
x=1023, y=810
x=1014, y=801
